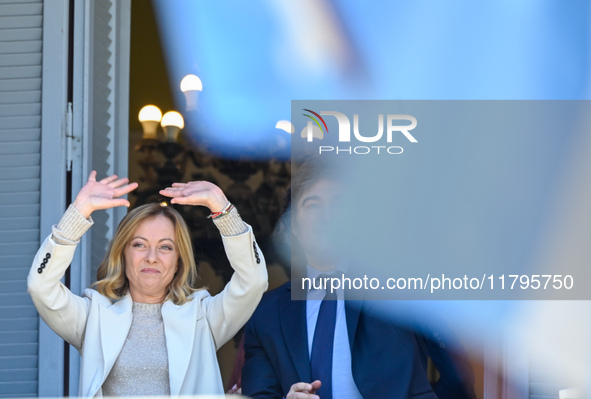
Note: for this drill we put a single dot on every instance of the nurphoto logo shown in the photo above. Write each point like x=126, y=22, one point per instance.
x=317, y=127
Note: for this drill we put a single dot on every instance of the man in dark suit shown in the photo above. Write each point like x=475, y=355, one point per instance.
x=334, y=348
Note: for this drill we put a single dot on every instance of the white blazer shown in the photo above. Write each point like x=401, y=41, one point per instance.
x=97, y=327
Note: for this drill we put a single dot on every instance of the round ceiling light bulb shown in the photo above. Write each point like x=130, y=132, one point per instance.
x=150, y=113
x=172, y=118
x=149, y=117
x=172, y=123
x=191, y=83
x=286, y=126
x=311, y=132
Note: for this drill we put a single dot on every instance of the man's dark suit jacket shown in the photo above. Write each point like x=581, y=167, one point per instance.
x=388, y=361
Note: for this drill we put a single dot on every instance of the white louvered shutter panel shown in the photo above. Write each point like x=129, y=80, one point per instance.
x=20, y=191
x=101, y=84
x=100, y=108
x=33, y=102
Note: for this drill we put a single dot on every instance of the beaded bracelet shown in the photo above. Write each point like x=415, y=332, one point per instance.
x=223, y=212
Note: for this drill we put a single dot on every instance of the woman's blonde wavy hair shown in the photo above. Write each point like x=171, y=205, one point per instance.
x=112, y=281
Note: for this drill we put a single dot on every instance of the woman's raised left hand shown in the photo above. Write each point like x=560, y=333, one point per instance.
x=197, y=193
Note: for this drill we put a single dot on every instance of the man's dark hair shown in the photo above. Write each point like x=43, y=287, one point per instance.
x=306, y=174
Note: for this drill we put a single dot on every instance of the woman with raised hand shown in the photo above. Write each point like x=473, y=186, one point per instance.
x=147, y=329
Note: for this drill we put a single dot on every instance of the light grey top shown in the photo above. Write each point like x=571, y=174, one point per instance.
x=142, y=366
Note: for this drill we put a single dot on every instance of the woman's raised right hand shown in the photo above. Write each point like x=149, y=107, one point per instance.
x=103, y=194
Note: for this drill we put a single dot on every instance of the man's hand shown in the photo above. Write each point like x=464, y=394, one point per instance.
x=102, y=194
x=235, y=390
x=303, y=390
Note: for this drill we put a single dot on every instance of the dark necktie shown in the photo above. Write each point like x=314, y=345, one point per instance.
x=322, y=346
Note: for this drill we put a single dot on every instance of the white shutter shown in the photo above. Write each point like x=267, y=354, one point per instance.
x=21, y=54
x=33, y=102
x=100, y=108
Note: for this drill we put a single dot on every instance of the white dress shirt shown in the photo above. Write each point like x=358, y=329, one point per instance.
x=343, y=385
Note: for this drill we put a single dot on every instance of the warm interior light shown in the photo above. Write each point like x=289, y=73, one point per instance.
x=173, y=118
x=150, y=113
x=285, y=125
x=190, y=83
x=149, y=117
x=172, y=123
